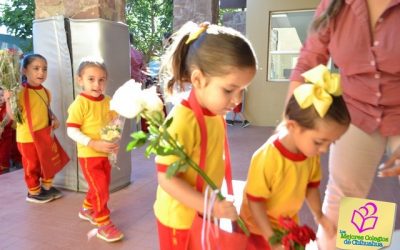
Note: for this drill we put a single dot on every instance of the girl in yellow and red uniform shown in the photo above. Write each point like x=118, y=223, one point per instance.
x=87, y=115
x=34, y=70
x=285, y=171
x=218, y=63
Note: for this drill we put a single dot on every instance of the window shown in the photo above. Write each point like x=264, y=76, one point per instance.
x=288, y=31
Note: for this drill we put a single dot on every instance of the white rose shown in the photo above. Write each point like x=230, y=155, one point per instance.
x=151, y=100
x=127, y=100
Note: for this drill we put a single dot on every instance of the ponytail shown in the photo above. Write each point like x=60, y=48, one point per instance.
x=180, y=73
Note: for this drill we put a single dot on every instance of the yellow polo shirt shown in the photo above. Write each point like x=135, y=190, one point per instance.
x=168, y=210
x=90, y=115
x=280, y=179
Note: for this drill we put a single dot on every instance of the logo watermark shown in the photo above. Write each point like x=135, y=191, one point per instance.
x=365, y=224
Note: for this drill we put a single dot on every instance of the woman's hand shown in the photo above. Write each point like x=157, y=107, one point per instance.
x=391, y=167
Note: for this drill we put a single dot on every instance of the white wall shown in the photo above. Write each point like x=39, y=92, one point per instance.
x=265, y=100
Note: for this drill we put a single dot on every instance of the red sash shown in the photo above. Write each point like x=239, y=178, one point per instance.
x=51, y=155
x=218, y=240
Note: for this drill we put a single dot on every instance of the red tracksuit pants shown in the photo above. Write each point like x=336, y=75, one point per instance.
x=31, y=164
x=97, y=172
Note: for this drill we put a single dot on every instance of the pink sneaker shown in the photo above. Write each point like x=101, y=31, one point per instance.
x=109, y=233
x=87, y=214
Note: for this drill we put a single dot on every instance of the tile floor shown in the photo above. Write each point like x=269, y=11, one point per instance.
x=56, y=225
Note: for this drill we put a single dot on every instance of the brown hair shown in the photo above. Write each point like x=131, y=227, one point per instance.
x=307, y=117
x=213, y=52
x=91, y=62
x=330, y=13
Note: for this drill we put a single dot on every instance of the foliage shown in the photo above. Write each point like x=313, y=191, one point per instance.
x=149, y=21
x=17, y=16
x=9, y=78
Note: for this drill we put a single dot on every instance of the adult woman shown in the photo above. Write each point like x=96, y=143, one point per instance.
x=361, y=38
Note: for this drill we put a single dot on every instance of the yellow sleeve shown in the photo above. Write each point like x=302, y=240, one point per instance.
x=75, y=113
x=260, y=176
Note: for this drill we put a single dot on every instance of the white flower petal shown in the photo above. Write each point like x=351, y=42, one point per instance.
x=127, y=100
x=152, y=101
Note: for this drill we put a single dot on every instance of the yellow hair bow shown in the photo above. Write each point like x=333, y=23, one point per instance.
x=319, y=93
x=194, y=35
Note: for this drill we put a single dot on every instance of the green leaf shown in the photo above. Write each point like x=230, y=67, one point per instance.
x=138, y=139
x=149, y=151
x=174, y=168
x=276, y=238
x=153, y=130
x=168, y=122
x=139, y=135
x=165, y=151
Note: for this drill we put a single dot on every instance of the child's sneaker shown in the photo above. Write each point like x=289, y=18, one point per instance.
x=245, y=123
x=87, y=214
x=41, y=197
x=55, y=193
x=109, y=233
x=230, y=122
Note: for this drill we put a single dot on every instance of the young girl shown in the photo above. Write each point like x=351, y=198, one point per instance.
x=34, y=70
x=87, y=115
x=285, y=171
x=219, y=63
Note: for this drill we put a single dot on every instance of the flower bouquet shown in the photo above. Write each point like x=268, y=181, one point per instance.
x=291, y=235
x=131, y=101
x=112, y=133
x=10, y=77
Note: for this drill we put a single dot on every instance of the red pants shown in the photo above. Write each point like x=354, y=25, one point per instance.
x=31, y=164
x=171, y=238
x=97, y=172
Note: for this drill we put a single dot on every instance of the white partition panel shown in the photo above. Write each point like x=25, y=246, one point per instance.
x=89, y=37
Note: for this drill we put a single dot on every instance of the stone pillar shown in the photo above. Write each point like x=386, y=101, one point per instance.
x=197, y=11
x=112, y=10
x=235, y=20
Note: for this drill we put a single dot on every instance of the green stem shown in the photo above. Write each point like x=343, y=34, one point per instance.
x=194, y=165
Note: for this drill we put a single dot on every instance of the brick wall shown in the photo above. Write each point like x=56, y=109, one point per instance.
x=197, y=11
x=235, y=20
x=113, y=10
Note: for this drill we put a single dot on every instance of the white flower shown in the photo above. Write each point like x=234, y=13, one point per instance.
x=151, y=100
x=127, y=99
